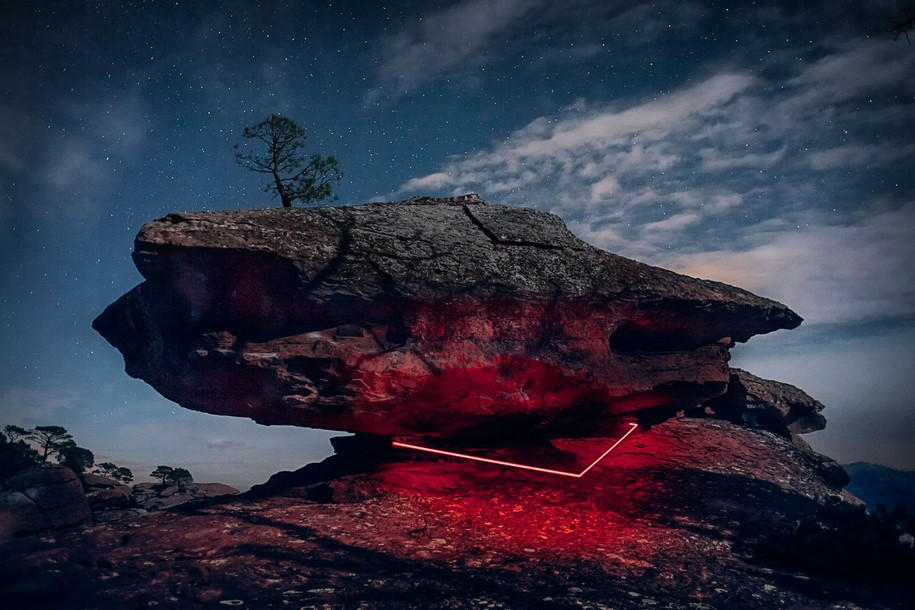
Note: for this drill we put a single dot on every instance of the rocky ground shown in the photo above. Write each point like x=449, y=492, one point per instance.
x=693, y=513
x=49, y=496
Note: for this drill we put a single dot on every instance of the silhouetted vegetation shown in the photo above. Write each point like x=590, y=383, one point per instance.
x=292, y=175
x=41, y=444
x=168, y=475
x=78, y=459
x=118, y=473
x=21, y=448
x=52, y=441
x=15, y=454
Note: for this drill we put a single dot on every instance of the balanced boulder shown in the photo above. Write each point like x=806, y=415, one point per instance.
x=441, y=317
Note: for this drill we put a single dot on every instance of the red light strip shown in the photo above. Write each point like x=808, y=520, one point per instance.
x=563, y=473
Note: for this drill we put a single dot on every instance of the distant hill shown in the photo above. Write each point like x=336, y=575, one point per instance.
x=876, y=484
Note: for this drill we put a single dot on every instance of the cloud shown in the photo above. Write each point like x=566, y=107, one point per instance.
x=645, y=23
x=715, y=160
x=677, y=222
x=472, y=34
x=851, y=272
x=854, y=155
x=724, y=178
x=611, y=125
x=433, y=182
x=856, y=69
x=589, y=142
x=604, y=187
x=435, y=42
x=30, y=407
x=581, y=29
x=225, y=444
x=84, y=162
x=52, y=171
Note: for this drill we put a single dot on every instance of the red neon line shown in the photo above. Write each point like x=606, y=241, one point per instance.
x=575, y=475
x=605, y=453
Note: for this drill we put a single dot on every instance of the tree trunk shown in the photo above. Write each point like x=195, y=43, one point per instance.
x=287, y=200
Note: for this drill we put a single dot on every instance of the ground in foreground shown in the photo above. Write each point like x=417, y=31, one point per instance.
x=694, y=513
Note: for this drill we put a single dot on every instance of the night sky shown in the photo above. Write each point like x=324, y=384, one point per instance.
x=769, y=146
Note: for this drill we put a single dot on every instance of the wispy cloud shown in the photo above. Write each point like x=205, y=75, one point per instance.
x=226, y=444
x=854, y=68
x=646, y=22
x=855, y=155
x=716, y=160
x=30, y=407
x=854, y=271
x=66, y=171
x=715, y=179
x=440, y=40
x=590, y=149
x=433, y=182
x=85, y=162
x=471, y=35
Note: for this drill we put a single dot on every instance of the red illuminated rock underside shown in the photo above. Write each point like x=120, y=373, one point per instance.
x=446, y=317
x=685, y=515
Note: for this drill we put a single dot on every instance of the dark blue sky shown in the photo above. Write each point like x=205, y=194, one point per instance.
x=766, y=145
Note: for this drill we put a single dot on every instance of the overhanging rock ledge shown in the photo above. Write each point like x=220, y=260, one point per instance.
x=441, y=317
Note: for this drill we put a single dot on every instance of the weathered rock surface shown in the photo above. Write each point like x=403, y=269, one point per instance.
x=446, y=317
x=104, y=493
x=776, y=406
x=692, y=513
x=151, y=496
x=41, y=498
x=780, y=408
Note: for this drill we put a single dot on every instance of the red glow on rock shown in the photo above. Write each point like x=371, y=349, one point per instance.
x=465, y=456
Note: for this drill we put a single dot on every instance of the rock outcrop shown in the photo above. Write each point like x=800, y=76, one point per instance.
x=104, y=493
x=151, y=496
x=52, y=496
x=776, y=407
x=693, y=513
x=434, y=317
x=773, y=405
x=40, y=498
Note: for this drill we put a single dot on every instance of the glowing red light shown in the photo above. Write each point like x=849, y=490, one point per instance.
x=476, y=458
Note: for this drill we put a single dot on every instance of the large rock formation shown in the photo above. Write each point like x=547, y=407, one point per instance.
x=40, y=498
x=440, y=317
x=464, y=321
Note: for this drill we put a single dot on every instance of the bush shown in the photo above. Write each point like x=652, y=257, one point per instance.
x=15, y=456
x=118, y=473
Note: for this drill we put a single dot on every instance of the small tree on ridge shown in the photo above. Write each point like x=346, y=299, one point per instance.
x=162, y=473
x=180, y=477
x=52, y=440
x=292, y=175
x=118, y=473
